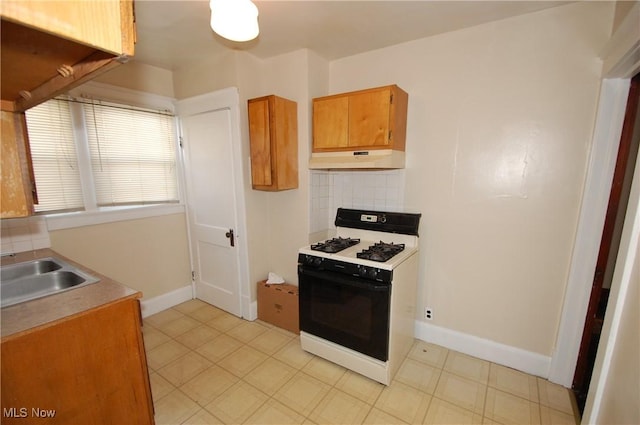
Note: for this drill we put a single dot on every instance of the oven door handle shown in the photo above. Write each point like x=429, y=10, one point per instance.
x=356, y=282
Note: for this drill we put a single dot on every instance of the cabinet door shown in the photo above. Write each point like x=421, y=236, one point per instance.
x=369, y=118
x=331, y=123
x=273, y=136
x=284, y=143
x=90, y=368
x=17, y=197
x=259, y=134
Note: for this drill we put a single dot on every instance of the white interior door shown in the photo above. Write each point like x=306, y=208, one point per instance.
x=207, y=141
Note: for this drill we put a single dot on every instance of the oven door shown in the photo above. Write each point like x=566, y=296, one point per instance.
x=348, y=310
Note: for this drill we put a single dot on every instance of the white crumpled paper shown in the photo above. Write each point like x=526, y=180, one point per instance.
x=274, y=279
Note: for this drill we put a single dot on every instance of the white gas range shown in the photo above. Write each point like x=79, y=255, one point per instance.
x=357, y=292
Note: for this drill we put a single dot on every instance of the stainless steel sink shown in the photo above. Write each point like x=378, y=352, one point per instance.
x=39, y=278
x=28, y=269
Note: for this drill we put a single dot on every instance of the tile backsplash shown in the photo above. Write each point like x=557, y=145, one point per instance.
x=24, y=234
x=375, y=190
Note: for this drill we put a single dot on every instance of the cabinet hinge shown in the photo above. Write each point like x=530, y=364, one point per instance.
x=193, y=275
x=391, y=98
x=389, y=135
x=180, y=141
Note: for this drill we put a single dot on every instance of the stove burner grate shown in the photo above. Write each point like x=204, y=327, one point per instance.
x=335, y=245
x=381, y=251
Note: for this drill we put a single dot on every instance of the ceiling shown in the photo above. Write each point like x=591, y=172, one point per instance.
x=175, y=32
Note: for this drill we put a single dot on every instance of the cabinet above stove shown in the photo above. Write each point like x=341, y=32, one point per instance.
x=360, y=129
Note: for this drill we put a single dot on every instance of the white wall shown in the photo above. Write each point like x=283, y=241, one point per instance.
x=206, y=75
x=498, y=135
x=140, y=77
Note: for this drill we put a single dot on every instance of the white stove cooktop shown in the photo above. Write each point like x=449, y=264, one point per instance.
x=368, y=238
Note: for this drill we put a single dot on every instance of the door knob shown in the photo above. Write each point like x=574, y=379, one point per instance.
x=231, y=237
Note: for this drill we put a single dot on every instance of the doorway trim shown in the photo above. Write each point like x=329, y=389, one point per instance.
x=621, y=60
x=602, y=161
x=625, y=263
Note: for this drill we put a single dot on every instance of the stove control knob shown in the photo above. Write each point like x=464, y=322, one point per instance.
x=368, y=272
x=317, y=261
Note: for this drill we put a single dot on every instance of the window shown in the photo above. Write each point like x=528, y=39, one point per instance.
x=53, y=153
x=88, y=154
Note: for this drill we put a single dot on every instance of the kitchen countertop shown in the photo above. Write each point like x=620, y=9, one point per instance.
x=42, y=312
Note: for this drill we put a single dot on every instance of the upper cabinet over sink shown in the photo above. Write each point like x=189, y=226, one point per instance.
x=361, y=129
x=49, y=47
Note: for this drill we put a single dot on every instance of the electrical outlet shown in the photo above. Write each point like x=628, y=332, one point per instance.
x=428, y=313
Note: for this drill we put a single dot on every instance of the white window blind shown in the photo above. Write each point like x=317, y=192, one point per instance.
x=127, y=155
x=132, y=154
x=53, y=153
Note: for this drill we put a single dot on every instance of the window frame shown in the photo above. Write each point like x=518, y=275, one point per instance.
x=94, y=214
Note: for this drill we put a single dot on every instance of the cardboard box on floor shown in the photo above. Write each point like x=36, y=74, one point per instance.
x=278, y=305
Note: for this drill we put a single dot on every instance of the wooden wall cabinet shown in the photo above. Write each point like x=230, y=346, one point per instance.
x=362, y=120
x=18, y=189
x=88, y=369
x=48, y=48
x=273, y=134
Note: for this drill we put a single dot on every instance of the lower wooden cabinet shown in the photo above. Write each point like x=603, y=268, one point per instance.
x=90, y=368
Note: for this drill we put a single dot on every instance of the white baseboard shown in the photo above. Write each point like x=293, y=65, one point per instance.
x=162, y=302
x=506, y=355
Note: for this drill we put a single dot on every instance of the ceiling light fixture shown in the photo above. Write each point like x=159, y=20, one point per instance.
x=235, y=20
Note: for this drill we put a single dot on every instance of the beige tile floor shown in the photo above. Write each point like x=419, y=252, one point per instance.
x=209, y=367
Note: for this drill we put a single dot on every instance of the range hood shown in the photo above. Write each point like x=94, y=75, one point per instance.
x=371, y=159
